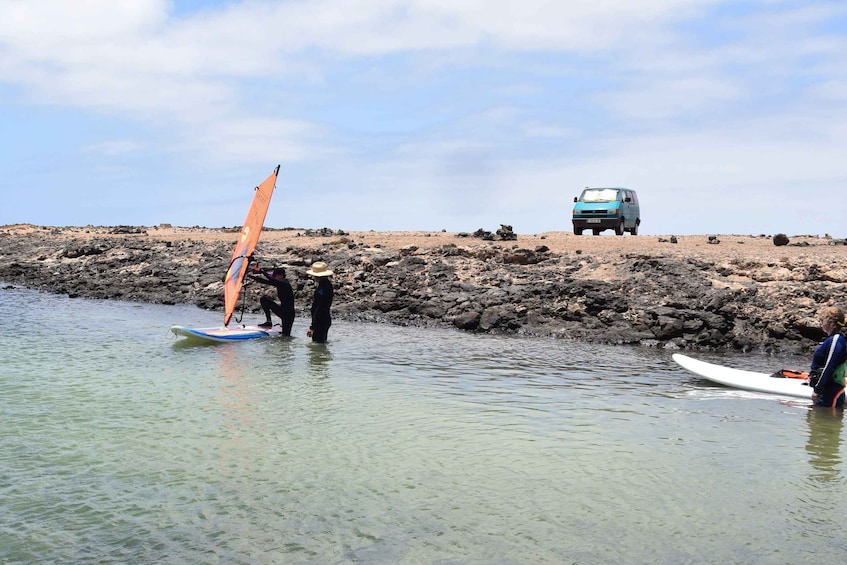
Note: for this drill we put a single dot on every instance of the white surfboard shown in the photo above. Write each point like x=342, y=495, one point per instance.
x=745, y=380
x=226, y=334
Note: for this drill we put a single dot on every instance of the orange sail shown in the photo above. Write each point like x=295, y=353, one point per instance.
x=247, y=243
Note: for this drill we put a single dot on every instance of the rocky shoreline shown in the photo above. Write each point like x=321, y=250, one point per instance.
x=694, y=292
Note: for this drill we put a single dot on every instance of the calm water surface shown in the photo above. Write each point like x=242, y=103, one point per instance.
x=391, y=445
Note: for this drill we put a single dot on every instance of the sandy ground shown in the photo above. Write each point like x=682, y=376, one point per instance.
x=730, y=247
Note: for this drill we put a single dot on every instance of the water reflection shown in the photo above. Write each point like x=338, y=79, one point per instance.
x=824, y=443
x=319, y=358
x=236, y=390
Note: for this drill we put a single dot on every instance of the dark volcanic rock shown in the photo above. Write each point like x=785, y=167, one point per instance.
x=780, y=239
x=629, y=298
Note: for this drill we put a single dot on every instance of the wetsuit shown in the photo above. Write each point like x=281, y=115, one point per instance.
x=321, y=319
x=285, y=308
x=829, y=360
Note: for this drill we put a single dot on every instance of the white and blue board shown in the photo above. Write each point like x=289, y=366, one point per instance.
x=745, y=380
x=226, y=334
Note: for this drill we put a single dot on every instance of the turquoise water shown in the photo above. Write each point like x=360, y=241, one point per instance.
x=391, y=445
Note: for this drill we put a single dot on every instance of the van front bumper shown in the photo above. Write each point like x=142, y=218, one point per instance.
x=596, y=223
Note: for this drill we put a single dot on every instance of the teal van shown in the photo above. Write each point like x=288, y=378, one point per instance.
x=605, y=208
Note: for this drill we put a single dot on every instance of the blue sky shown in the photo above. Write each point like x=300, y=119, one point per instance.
x=725, y=116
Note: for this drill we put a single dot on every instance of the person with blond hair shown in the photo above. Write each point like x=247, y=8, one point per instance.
x=829, y=360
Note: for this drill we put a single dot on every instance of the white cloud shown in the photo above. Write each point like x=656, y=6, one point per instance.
x=259, y=140
x=115, y=147
x=665, y=98
x=462, y=111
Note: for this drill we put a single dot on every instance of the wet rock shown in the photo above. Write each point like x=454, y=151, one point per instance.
x=467, y=320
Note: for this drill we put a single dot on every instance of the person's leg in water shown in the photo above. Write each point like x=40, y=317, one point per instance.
x=287, y=318
x=287, y=323
x=319, y=333
x=832, y=398
x=268, y=305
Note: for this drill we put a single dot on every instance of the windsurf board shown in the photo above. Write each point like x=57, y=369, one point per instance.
x=745, y=380
x=226, y=334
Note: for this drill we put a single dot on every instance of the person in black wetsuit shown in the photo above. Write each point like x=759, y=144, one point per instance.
x=321, y=303
x=285, y=308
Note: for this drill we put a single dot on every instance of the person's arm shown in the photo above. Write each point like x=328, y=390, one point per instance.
x=264, y=279
x=286, y=294
x=316, y=298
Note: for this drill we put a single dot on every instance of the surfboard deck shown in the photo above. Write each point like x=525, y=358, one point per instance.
x=744, y=380
x=226, y=334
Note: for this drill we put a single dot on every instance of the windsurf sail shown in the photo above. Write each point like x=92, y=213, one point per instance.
x=247, y=241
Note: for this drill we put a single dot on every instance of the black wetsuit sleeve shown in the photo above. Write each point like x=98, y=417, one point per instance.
x=265, y=279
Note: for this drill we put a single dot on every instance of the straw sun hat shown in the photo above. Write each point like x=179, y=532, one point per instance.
x=319, y=269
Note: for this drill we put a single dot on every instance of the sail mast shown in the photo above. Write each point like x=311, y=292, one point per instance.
x=247, y=241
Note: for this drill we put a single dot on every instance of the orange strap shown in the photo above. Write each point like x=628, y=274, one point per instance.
x=791, y=374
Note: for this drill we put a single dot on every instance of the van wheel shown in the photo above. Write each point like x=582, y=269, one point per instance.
x=577, y=231
x=595, y=231
x=634, y=230
x=619, y=230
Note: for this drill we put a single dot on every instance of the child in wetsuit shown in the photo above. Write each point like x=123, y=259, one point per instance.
x=285, y=308
x=829, y=360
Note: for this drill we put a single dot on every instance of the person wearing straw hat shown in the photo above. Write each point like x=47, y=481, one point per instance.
x=321, y=303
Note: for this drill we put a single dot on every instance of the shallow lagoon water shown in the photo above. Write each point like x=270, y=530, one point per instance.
x=120, y=444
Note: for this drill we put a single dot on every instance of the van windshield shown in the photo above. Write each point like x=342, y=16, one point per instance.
x=599, y=195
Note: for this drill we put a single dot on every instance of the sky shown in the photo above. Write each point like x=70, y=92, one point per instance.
x=727, y=117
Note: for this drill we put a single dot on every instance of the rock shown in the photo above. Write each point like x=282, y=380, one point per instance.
x=484, y=234
x=467, y=321
x=506, y=234
x=521, y=257
x=675, y=298
x=780, y=239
